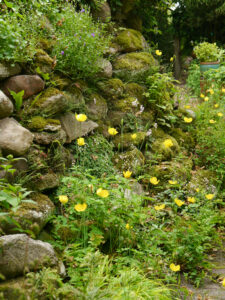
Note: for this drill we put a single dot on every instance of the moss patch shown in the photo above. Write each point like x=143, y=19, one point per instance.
x=134, y=61
x=130, y=40
x=125, y=141
x=135, y=90
x=184, y=139
x=113, y=88
x=127, y=105
x=39, y=123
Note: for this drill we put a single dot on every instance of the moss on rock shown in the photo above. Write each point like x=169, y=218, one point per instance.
x=38, y=123
x=124, y=141
x=133, y=66
x=131, y=160
x=184, y=139
x=204, y=180
x=112, y=88
x=130, y=40
x=129, y=104
x=96, y=107
x=135, y=90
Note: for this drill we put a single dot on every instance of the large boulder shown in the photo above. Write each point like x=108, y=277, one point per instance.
x=130, y=40
x=21, y=254
x=131, y=160
x=96, y=107
x=30, y=216
x=7, y=70
x=14, y=138
x=133, y=66
x=6, y=106
x=30, y=84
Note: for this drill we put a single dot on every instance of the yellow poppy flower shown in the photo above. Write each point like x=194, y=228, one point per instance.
x=212, y=121
x=159, y=53
x=134, y=136
x=206, y=99
x=127, y=226
x=178, y=202
x=154, y=180
x=127, y=174
x=197, y=190
x=211, y=91
x=168, y=143
x=188, y=120
x=191, y=199
x=171, y=59
x=63, y=199
x=159, y=207
x=187, y=106
x=175, y=268
x=80, y=207
x=216, y=105
x=80, y=142
x=172, y=182
x=220, y=114
x=223, y=90
x=202, y=96
x=209, y=196
x=102, y=193
x=112, y=131
x=81, y=117
x=223, y=282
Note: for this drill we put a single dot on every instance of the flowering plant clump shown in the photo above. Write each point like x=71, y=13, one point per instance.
x=168, y=143
x=154, y=180
x=208, y=52
x=80, y=207
x=102, y=193
x=127, y=174
x=112, y=131
x=81, y=117
x=63, y=199
x=80, y=142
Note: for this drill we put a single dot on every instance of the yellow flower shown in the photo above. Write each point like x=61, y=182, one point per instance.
x=154, y=180
x=80, y=142
x=197, y=190
x=206, y=99
x=178, y=202
x=171, y=59
x=223, y=90
x=134, y=136
x=187, y=106
x=112, y=131
x=175, y=268
x=159, y=53
x=127, y=174
x=127, y=226
x=63, y=199
x=216, y=105
x=223, y=282
x=191, y=199
x=188, y=120
x=220, y=114
x=209, y=196
x=102, y=193
x=211, y=91
x=168, y=143
x=80, y=207
x=81, y=117
x=212, y=121
x=159, y=207
x=172, y=182
x=202, y=96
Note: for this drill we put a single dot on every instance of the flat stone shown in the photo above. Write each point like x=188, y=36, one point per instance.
x=83, y=128
x=6, y=106
x=68, y=122
x=46, y=138
x=21, y=254
x=7, y=70
x=31, y=84
x=14, y=139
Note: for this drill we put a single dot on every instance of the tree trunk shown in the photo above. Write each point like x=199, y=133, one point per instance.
x=177, y=64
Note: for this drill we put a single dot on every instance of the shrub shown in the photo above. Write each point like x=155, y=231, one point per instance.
x=80, y=43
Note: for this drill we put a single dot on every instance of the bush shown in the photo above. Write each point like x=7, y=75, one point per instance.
x=193, y=80
x=80, y=43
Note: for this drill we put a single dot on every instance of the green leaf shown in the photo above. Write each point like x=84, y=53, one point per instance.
x=8, y=4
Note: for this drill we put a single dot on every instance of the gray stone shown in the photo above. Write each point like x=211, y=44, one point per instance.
x=97, y=107
x=83, y=128
x=46, y=138
x=102, y=12
x=135, y=189
x=46, y=182
x=7, y=70
x=68, y=122
x=6, y=106
x=14, y=139
x=30, y=84
x=105, y=67
x=30, y=216
x=21, y=254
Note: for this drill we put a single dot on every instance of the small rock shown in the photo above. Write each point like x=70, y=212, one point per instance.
x=31, y=84
x=6, y=106
x=46, y=182
x=21, y=254
x=46, y=138
x=14, y=139
x=105, y=67
x=68, y=122
x=96, y=107
x=7, y=70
